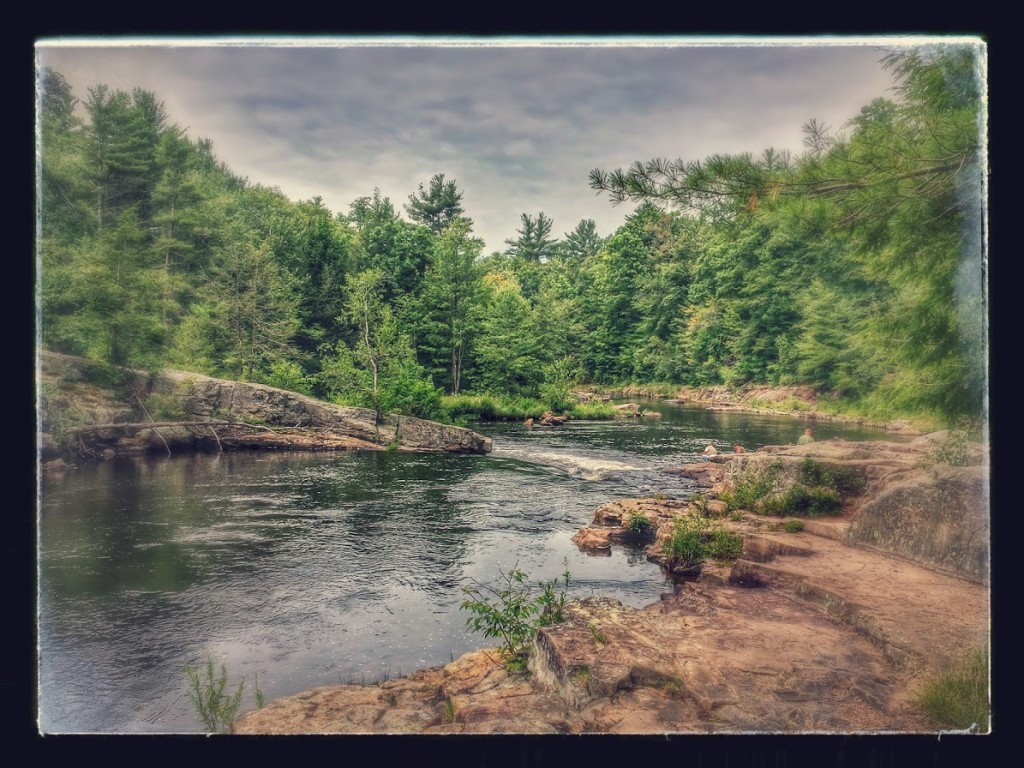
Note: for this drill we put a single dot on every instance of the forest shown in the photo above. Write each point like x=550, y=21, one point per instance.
x=856, y=267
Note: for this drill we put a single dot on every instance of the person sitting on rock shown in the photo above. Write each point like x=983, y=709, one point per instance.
x=709, y=452
x=806, y=437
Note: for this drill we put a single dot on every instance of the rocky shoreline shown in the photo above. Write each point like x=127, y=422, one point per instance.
x=798, y=401
x=178, y=411
x=828, y=630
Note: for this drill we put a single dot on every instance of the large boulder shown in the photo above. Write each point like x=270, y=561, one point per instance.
x=907, y=503
x=937, y=517
x=202, y=411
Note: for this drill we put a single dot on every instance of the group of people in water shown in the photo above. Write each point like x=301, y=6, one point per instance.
x=711, y=450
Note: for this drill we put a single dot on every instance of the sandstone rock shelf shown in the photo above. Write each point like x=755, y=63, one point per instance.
x=819, y=631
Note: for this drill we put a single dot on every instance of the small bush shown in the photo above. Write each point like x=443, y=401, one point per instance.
x=638, y=523
x=450, y=711
x=957, y=696
x=592, y=411
x=793, y=526
x=686, y=547
x=694, y=541
x=724, y=545
x=802, y=501
x=208, y=692
x=843, y=479
x=746, y=493
x=955, y=449
x=513, y=613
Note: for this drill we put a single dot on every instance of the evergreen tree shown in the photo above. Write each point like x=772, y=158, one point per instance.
x=437, y=206
x=450, y=300
x=582, y=243
x=533, y=243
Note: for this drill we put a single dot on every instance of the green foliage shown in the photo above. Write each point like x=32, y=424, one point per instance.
x=582, y=243
x=592, y=411
x=165, y=407
x=793, y=526
x=845, y=480
x=802, y=501
x=694, y=540
x=513, y=613
x=747, y=492
x=437, y=206
x=211, y=698
x=597, y=634
x=957, y=696
x=507, y=354
x=856, y=267
x=286, y=374
x=686, y=546
x=556, y=389
x=723, y=545
x=450, y=711
x=552, y=599
x=638, y=523
x=492, y=407
x=533, y=243
x=954, y=450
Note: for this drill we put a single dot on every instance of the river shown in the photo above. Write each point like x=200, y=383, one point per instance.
x=301, y=570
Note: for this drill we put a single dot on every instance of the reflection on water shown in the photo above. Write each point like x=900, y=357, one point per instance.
x=310, y=569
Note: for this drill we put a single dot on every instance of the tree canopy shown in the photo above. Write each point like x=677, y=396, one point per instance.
x=856, y=267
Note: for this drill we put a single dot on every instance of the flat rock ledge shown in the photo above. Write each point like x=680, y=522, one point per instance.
x=812, y=637
x=827, y=630
x=218, y=414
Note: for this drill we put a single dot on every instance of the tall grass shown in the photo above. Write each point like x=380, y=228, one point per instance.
x=957, y=696
x=496, y=407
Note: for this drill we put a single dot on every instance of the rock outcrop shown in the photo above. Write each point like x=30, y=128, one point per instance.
x=217, y=414
x=828, y=630
x=909, y=504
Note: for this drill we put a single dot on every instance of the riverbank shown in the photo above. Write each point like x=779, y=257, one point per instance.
x=798, y=401
x=85, y=418
x=810, y=631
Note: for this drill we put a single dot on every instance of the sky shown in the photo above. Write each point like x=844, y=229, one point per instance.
x=517, y=123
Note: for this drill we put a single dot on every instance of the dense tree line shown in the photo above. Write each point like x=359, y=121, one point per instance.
x=855, y=267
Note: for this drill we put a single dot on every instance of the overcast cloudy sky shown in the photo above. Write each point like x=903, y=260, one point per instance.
x=518, y=124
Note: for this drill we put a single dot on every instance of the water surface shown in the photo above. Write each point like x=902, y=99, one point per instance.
x=313, y=569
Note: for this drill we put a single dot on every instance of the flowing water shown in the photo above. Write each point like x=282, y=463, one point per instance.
x=301, y=570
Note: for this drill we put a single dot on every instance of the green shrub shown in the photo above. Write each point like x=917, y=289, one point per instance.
x=208, y=692
x=955, y=449
x=802, y=501
x=592, y=411
x=513, y=613
x=846, y=480
x=748, y=491
x=693, y=541
x=492, y=407
x=957, y=697
x=287, y=374
x=686, y=546
x=793, y=526
x=723, y=545
x=638, y=523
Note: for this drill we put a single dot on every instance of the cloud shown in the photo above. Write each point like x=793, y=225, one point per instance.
x=518, y=127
